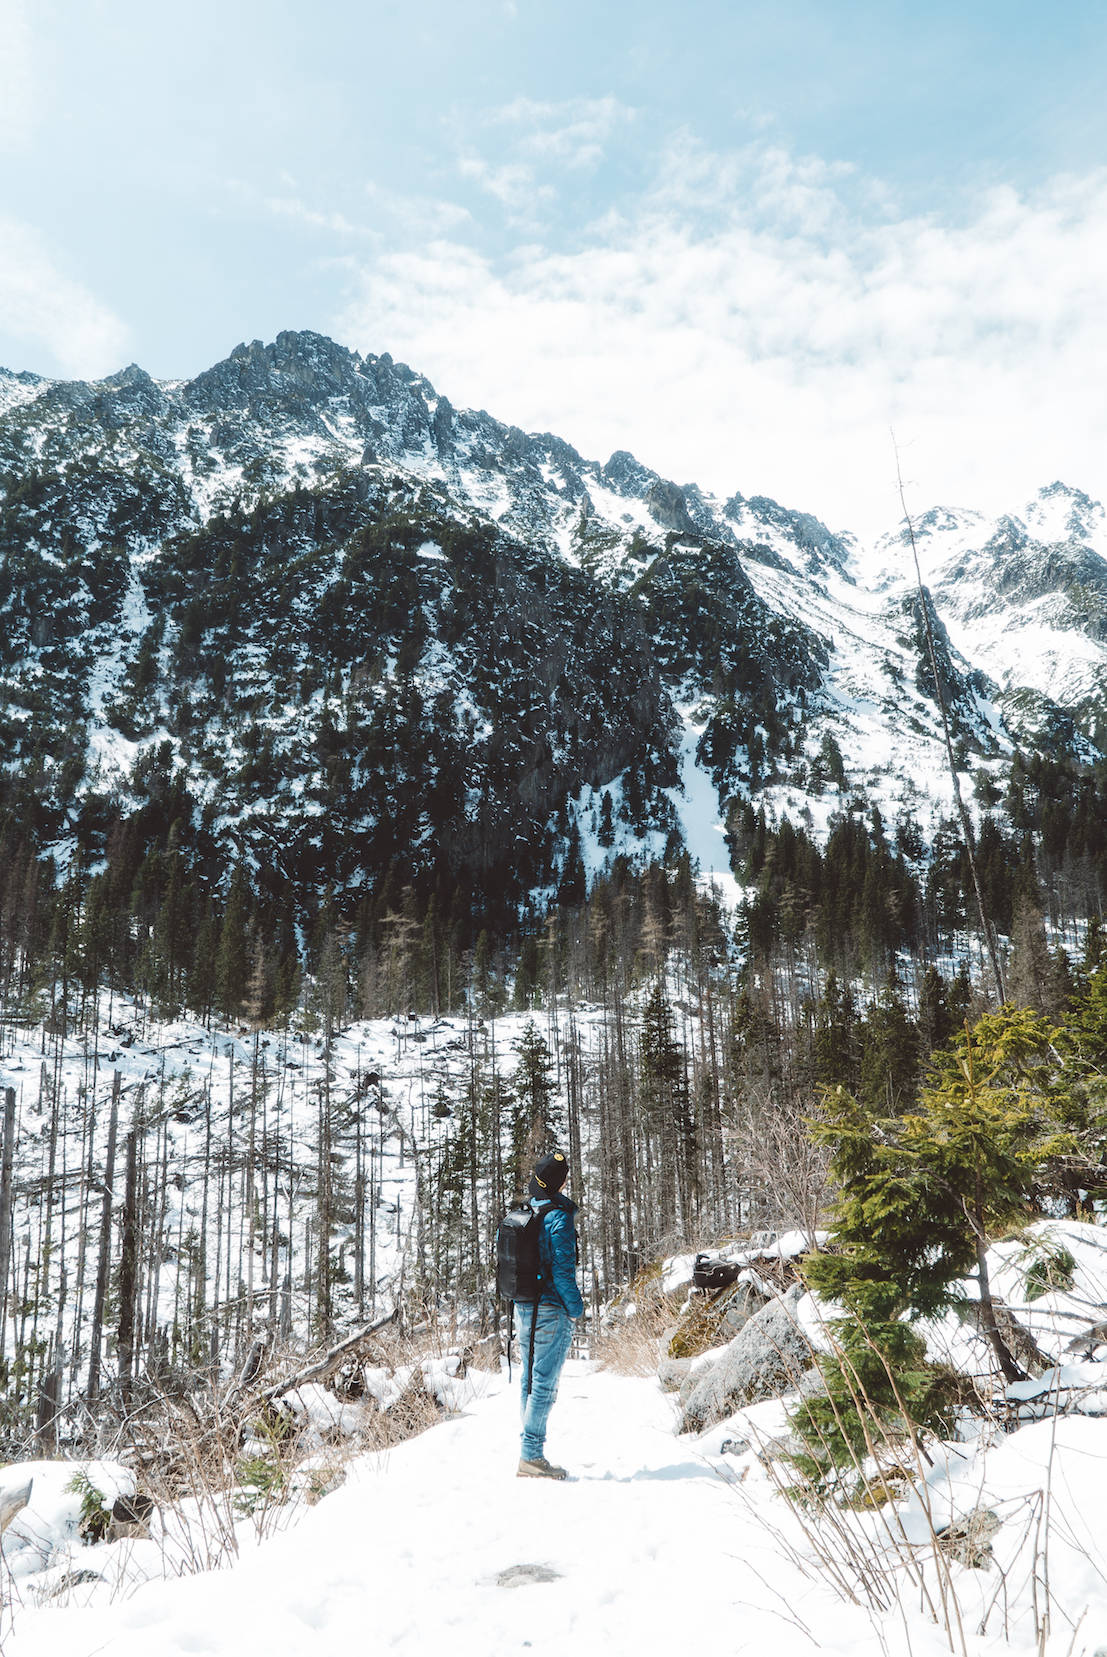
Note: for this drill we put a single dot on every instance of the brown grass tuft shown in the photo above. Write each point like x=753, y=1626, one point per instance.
x=629, y=1345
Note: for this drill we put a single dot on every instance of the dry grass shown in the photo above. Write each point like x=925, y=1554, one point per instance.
x=214, y=1461
x=630, y=1339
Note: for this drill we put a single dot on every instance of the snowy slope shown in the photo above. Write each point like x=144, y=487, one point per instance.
x=1024, y=596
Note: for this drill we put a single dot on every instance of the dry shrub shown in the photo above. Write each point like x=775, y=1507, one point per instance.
x=210, y=1462
x=414, y=1411
x=631, y=1334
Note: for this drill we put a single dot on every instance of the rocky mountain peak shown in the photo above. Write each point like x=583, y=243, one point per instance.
x=1061, y=513
x=18, y=388
x=297, y=366
x=626, y=474
x=1009, y=535
x=803, y=539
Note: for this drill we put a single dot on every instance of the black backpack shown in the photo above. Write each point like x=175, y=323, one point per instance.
x=519, y=1271
x=711, y=1273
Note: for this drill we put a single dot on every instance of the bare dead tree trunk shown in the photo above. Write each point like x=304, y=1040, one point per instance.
x=103, y=1263
x=6, y=1166
x=46, y=1413
x=128, y=1266
x=962, y=812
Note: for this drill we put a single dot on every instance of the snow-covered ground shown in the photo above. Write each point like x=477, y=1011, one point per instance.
x=656, y=1545
x=696, y=809
x=659, y=1542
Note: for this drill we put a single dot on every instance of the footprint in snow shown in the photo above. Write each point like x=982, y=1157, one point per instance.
x=517, y=1576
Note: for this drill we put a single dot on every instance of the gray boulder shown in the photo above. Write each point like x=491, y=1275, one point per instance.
x=673, y=1373
x=767, y=1357
x=743, y=1304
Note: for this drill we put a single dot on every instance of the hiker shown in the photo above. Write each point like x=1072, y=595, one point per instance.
x=548, y=1335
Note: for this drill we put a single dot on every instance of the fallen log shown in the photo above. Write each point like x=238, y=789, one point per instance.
x=1015, y=1335
x=13, y=1502
x=325, y=1366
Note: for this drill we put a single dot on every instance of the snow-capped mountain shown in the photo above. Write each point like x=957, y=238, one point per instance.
x=1024, y=598
x=346, y=622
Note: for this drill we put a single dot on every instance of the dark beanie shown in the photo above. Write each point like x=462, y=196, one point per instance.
x=550, y=1174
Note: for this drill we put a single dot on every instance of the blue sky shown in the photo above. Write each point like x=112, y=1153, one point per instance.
x=743, y=240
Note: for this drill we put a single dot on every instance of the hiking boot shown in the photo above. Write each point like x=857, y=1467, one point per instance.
x=540, y=1468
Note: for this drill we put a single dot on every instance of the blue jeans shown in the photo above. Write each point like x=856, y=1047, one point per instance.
x=553, y=1336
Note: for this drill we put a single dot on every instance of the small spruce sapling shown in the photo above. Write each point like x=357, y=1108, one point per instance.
x=95, y=1511
x=919, y=1196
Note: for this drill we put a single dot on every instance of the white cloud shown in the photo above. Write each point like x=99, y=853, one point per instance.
x=514, y=184
x=572, y=133
x=39, y=303
x=291, y=207
x=418, y=216
x=537, y=142
x=759, y=321
x=381, y=213
x=16, y=82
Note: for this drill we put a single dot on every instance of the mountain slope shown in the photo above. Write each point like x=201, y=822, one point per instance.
x=1025, y=598
x=355, y=629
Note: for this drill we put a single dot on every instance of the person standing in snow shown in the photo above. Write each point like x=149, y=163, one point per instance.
x=551, y=1322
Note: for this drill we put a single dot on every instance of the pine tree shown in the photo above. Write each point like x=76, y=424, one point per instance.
x=667, y=1111
x=919, y=1195
x=936, y=1023
x=1086, y=1026
x=482, y=971
x=537, y=1122
x=232, y=957
x=1029, y=974
x=605, y=833
x=202, y=991
x=573, y=884
x=889, y=1053
x=837, y=1036
x=526, y=973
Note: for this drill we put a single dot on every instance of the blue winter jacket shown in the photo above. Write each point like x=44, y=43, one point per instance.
x=557, y=1250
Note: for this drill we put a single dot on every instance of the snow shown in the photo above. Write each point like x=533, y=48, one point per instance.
x=888, y=733
x=751, y=526
x=696, y=804
x=15, y=393
x=1058, y=513
x=1033, y=644
x=41, y=1536
x=488, y=492
x=434, y=1545
x=187, y=1074
x=111, y=754
x=696, y=810
x=676, y=1272
x=1045, y=1485
x=1032, y=654
x=654, y=1542
x=1057, y=1319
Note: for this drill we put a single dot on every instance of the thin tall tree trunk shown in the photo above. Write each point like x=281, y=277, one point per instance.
x=128, y=1264
x=6, y=1166
x=986, y=930
x=103, y=1263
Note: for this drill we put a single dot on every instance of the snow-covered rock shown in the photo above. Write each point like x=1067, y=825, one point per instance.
x=764, y=1359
